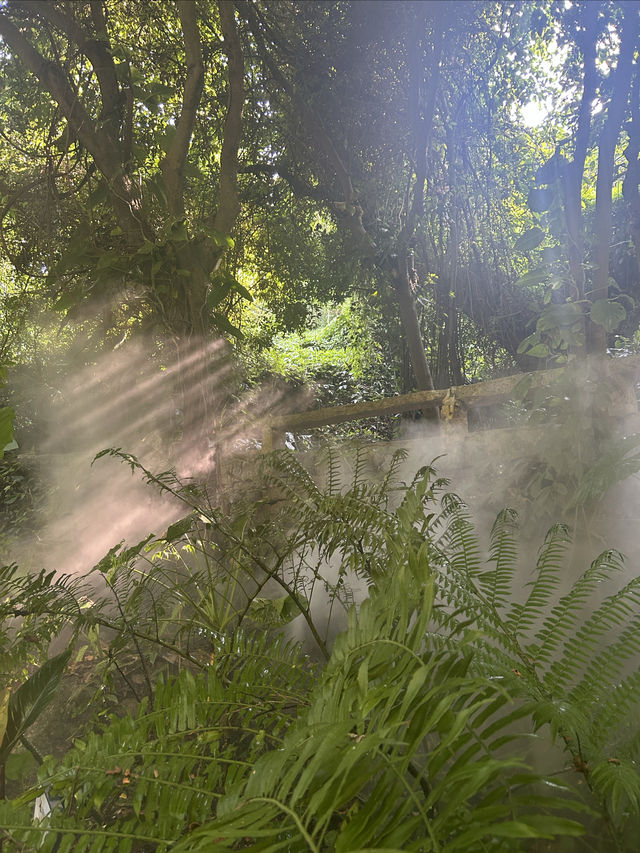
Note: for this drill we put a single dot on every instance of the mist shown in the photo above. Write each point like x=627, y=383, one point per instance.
x=135, y=398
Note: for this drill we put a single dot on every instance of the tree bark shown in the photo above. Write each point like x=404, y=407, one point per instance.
x=596, y=334
x=573, y=171
x=229, y=206
x=631, y=183
x=172, y=165
x=400, y=277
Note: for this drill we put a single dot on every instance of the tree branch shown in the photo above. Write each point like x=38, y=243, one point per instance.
x=56, y=84
x=229, y=206
x=173, y=163
x=97, y=51
x=297, y=184
x=573, y=172
x=631, y=180
x=103, y=147
x=317, y=132
x=425, y=119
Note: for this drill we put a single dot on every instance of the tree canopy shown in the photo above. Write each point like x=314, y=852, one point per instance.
x=205, y=204
x=466, y=174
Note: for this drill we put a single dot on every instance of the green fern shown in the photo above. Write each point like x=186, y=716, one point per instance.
x=580, y=671
x=152, y=775
x=392, y=754
x=405, y=739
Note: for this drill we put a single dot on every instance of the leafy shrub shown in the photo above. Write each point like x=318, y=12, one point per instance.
x=411, y=734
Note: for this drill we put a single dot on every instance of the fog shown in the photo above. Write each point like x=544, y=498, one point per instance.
x=136, y=400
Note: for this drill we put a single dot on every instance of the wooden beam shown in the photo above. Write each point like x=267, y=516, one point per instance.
x=468, y=396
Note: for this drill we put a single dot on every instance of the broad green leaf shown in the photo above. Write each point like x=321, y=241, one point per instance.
x=222, y=284
x=607, y=313
x=69, y=299
x=530, y=240
x=242, y=290
x=556, y=281
x=4, y=711
x=539, y=275
x=521, y=388
x=220, y=289
x=7, y=414
x=30, y=699
x=19, y=764
x=528, y=342
x=290, y=608
x=224, y=325
x=548, y=826
x=179, y=528
x=157, y=188
x=538, y=351
x=539, y=199
x=557, y=316
x=274, y=611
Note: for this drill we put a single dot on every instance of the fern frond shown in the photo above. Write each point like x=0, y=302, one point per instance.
x=393, y=743
x=360, y=463
x=152, y=775
x=391, y=476
x=563, y=617
x=284, y=472
x=578, y=650
x=334, y=479
x=619, y=782
x=613, y=722
x=460, y=540
x=497, y=583
x=548, y=576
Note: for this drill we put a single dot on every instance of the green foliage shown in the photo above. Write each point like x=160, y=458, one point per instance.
x=34, y=609
x=559, y=330
x=580, y=669
x=407, y=737
x=25, y=705
x=7, y=415
x=21, y=497
x=339, y=358
x=530, y=240
x=607, y=313
x=576, y=454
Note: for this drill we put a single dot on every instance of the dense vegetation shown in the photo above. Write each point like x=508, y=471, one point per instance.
x=409, y=734
x=171, y=171
x=213, y=209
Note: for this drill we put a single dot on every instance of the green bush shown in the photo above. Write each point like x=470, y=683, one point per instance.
x=410, y=735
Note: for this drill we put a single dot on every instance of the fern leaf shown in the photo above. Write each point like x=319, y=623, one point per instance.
x=563, y=617
x=496, y=584
x=548, y=574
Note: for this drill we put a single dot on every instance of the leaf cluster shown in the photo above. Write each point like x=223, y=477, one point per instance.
x=407, y=737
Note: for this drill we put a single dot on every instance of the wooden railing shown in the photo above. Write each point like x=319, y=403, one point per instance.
x=454, y=403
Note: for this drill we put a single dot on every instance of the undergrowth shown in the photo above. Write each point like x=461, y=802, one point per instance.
x=414, y=729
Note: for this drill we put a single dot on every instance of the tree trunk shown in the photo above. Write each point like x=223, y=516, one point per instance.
x=573, y=172
x=596, y=334
x=631, y=183
x=407, y=308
